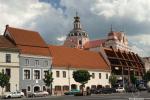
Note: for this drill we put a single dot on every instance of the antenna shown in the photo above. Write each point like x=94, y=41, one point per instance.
x=76, y=13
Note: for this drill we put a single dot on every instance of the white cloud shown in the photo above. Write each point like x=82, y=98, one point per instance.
x=141, y=44
x=61, y=39
x=132, y=9
x=142, y=39
x=96, y=17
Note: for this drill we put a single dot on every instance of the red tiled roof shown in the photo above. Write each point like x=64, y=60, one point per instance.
x=75, y=58
x=26, y=37
x=34, y=50
x=28, y=42
x=94, y=44
x=5, y=43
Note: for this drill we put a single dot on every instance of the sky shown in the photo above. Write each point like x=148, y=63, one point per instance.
x=53, y=19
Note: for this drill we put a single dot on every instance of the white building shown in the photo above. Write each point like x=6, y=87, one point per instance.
x=66, y=60
x=146, y=61
x=9, y=63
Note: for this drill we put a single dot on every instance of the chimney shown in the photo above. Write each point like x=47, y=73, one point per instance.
x=7, y=26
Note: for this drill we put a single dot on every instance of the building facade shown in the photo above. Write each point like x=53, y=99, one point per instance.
x=124, y=64
x=66, y=60
x=146, y=61
x=34, y=58
x=9, y=64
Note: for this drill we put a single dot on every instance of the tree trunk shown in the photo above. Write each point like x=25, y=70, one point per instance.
x=2, y=92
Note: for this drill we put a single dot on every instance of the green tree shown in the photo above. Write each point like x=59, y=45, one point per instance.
x=133, y=79
x=48, y=79
x=81, y=76
x=4, y=80
x=112, y=80
x=147, y=76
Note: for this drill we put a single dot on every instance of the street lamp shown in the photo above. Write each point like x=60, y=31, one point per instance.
x=16, y=87
x=69, y=76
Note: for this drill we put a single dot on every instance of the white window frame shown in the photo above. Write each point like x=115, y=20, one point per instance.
x=23, y=73
x=43, y=72
x=63, y=75
x=27, y=60
x=46, y=63
x=36, y=64
x=33, y=74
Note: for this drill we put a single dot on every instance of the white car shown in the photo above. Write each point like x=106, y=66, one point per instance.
x=16, y=94
x=120, y=89
x=40, y=94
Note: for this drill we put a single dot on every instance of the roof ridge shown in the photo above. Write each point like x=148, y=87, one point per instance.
x=23, y=29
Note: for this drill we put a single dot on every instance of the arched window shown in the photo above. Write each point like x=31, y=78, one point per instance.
x=80, y=42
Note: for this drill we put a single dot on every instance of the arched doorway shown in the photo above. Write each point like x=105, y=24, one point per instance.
x=73, y=86
x=36, y=88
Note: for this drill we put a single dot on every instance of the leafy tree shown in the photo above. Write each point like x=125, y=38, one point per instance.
x=4, y=80
x=112, y=80
x=48, y=79
x=147, y=76
x=133, y=79
x=81, y=76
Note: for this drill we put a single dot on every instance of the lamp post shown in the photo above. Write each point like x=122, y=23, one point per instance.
x=122, y=77
x=16, y=87
x=69, y=76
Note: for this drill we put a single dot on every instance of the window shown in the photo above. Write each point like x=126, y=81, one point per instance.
x=36, y=62
x=29, y=88
x=100, y=76
x=7, y=88
x=27, y=61
x=93, y=75
x=8, y=58
x=80, y=42
x=106, y=76
x=57, y=88
x=65, y=88
x=26, y=74
x=44, y=88
x=57, y=73
x=3, y=71
x=64, y=74
x=36, y=74
x=45, y=73
x=46, y=63
x=8, y=72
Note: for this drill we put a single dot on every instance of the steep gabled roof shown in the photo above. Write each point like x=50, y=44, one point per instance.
x=75, y=58
x=5, y=43
x=28, y=42
x=26, y=37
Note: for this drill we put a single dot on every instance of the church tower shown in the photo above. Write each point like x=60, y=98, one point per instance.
x=76, y=37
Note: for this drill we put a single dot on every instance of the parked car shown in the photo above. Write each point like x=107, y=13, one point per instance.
x=120, y=89
x=131, y=89
x=141, y=87
x=107, y=90
x=40, y=94
x=72, y=92
x=16, y=94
